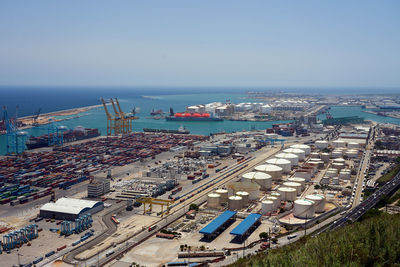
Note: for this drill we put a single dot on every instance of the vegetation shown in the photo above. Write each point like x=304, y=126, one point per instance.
x=263, y=235
x=194, y=207
x=388, y=176
x=371, y=242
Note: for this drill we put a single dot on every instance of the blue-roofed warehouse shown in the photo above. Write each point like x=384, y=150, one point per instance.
x=250, y=223
x=219, y=224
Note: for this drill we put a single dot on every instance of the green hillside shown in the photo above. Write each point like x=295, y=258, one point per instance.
x=372, y=242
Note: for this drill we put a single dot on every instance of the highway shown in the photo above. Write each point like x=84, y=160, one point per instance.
x=369, y=203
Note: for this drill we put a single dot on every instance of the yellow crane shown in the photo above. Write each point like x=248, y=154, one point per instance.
x=112, y=122
x=154, y=201
x=129, y=117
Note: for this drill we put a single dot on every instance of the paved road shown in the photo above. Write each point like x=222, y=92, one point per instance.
x=111, y=228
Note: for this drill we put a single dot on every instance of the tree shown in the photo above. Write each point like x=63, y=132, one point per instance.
x=263, y=235
x=182, y=247
x=194, y=207
x=317, y=186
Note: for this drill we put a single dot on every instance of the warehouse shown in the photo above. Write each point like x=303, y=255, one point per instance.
x=70, y=208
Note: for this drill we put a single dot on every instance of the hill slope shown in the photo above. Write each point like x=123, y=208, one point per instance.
x=372, y=242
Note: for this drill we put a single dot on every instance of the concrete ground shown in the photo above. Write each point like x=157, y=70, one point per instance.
x=158, y=251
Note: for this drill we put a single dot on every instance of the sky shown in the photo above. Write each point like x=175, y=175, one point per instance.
x=200, y=43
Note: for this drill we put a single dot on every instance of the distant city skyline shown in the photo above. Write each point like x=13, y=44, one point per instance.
x=204, y=43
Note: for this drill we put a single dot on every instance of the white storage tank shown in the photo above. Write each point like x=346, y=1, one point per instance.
x=283, y=163
x=337, y=153
x=352, y=153
x=345, y=174
x=338, y=143
x=235, y=203
x=337, y=165
x=299, y=180
x=321, y=144
x=319, y=201
x=339, y=160
x=294, y=159
x=275, y=200
x=353, y=145
x=267, y=206
x=305, y=148
x=325, y=157
x=335, y=180
x=245, y=197
x=252, y=188
x=287, y=193
x=261, y=178
x=294, y=185
x=300, y=153
x=213, y=200
x=315, y=155
x=331, y=172
x=273, y=170
x=277, y=195
x=224, y=195
x=304, y=209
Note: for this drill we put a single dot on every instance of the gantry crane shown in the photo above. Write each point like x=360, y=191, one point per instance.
x=112, y=122
x=120, y=123
x=15, y=139
x=130, y=117
x=155, y=201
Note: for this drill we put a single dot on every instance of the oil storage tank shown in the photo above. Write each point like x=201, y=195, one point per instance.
x=299, y=180
x=319, y=201
x=261, y=178
x=294, y=185
x=267, y=206
x=305, y=148
x=339, y=143
x=303, y=208
x=321, y=144
x=283, y=163
x=287, y=193
x=224, y=195
x=301, y=154
x=275, y=200
x=252, y=188
x=277, y=195
x=353, y=145
x=245, y=197
x=213, y=200
x=273, y=170
x=235, y=203
x=294, y=159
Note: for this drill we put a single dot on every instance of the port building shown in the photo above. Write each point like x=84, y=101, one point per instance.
x=218, y=225
x=98, y=188
x=70, y=208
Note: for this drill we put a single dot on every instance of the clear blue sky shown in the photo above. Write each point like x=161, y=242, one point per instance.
x=200, y=43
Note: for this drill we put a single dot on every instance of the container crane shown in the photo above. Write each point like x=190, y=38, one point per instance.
x=112, y=122
x=130, y=117
x=15, y=139
x=56, y=134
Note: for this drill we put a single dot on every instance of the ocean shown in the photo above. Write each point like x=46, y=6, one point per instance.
x=50, y=99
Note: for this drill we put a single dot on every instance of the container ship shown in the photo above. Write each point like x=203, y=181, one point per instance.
x=79, y=133
x=192, y=117
x=181, y=130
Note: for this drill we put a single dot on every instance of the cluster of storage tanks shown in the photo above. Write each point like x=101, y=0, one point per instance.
x=240, y=193
x=341, y=148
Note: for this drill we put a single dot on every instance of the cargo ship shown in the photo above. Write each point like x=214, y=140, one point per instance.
x=79, y=133
x=192, y=117
x=181, y=130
